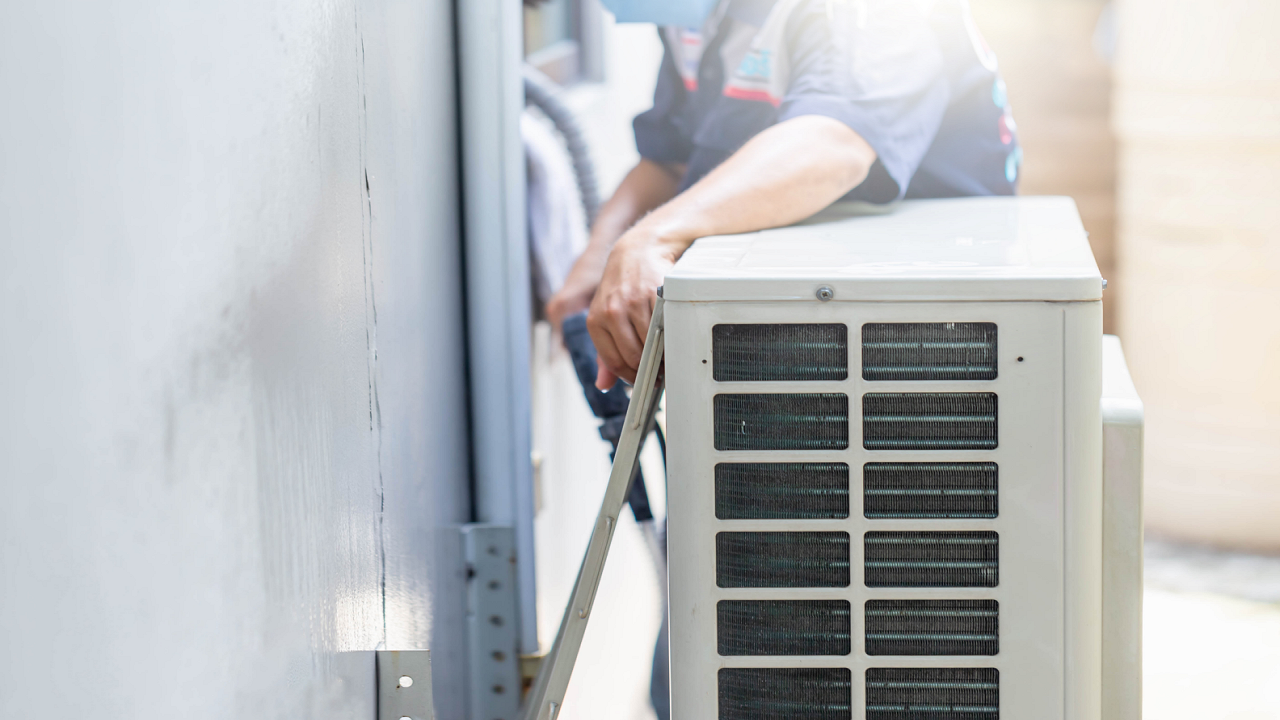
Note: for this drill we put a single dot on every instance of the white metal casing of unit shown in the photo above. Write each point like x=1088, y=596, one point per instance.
x=1123, y=419
x=1024, y=265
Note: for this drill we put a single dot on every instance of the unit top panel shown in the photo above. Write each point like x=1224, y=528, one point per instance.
x=964, y=249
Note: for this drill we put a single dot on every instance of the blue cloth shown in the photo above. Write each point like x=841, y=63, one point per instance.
x=912, y=77
x=610, y=406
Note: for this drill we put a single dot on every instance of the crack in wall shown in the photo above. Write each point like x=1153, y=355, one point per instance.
x=371, y=320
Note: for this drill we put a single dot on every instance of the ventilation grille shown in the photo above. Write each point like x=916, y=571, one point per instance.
x=790, y=421
x=779, y=352
x=929, y=351
x=786, y=693
x=930, y=490
x=933, y=693
x=782, y=491
x=931, y=559
x=783, y=627
x=926, y=421
x=933, y=627
x=782, y=559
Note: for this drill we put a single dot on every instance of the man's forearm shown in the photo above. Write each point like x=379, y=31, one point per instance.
x=647, y=186
x=781, y=176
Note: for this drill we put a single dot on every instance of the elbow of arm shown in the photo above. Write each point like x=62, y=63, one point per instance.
x=845, y=154
x=856, y=158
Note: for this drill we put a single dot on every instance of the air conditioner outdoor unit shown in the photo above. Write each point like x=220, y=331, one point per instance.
x=887, y=493
x=891, y=495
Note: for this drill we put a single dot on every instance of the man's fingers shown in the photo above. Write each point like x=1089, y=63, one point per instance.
x=631, y=347
x=605, y=379
x=641, y=313
x=607, y=353
x=626, y=345
x=567, y=301
x=623, y=307
x=615, y=320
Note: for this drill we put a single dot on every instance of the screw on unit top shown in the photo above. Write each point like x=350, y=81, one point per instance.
x=825, y=293
x=1104, y=283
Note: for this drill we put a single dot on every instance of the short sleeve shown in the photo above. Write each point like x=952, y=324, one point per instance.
x=660, y=135
x=875, y=66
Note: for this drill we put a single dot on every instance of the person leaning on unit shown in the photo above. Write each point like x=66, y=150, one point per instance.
x=767, y=111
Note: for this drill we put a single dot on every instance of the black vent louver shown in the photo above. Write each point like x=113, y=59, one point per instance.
x=782, y=559
x=929, y=421
x=749, y=353
x=782, y=421
x=931, y=559
x=783, y=627
x=930, y=490
x=785, y=694
x=932, y=627
x=929, y=351
x=933, y=693
x=782, y=491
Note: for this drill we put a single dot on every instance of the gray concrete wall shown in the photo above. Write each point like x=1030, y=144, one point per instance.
x=231, y=367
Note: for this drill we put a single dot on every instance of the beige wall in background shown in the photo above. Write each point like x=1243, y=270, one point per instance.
x=1197, y=113
x=1060, y=91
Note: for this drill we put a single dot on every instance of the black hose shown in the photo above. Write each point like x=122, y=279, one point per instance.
x=611, y=407
x=543, y=93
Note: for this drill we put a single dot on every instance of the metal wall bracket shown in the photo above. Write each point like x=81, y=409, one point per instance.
x=404, y=685
x=529, y=667
x=493, y=622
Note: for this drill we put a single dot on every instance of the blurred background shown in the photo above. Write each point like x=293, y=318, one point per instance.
x=267, y=340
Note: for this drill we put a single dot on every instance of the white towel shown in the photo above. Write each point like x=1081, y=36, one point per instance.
x=557, y=224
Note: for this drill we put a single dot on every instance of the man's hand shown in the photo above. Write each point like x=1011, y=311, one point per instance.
x=620, y=312
x=579, y=286
x=782, y=175
x=647, y=186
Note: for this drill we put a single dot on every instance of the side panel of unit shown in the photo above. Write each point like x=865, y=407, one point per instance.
x=1082, y=418
x=1122, y=423
x=1030, y=456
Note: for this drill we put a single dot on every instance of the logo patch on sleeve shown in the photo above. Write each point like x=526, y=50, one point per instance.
x=759, y=58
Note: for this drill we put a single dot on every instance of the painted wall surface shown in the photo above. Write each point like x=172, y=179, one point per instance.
x=233, y=415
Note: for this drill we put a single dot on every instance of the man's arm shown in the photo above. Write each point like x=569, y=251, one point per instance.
x=782, y=175
x=646, y=187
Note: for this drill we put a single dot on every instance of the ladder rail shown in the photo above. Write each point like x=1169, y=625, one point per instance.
x=547, y=695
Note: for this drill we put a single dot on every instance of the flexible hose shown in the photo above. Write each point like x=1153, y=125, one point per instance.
x=543, y=93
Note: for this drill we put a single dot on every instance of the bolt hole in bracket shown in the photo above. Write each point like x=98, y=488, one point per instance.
x=492, y=622
x=404, y=685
